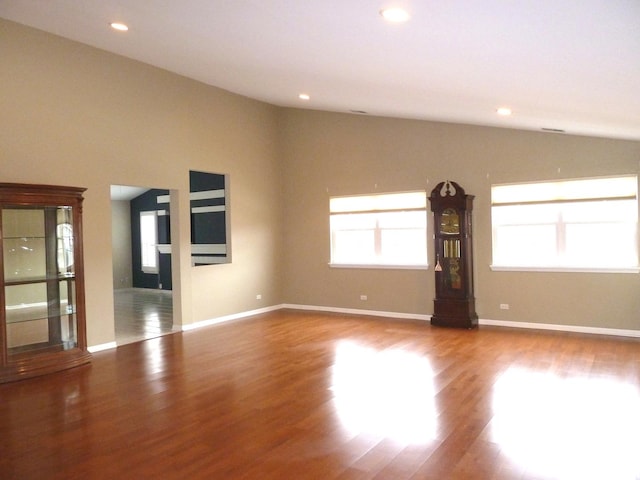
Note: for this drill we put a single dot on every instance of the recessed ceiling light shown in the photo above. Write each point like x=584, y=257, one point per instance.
x=304, y=96
x=119, y=26
x=396, y=15
x=504, y=111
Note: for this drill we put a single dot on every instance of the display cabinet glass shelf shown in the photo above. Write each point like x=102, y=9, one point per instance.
x=42, y=311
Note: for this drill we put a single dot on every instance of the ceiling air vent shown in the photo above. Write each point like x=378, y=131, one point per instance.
x=553, y=130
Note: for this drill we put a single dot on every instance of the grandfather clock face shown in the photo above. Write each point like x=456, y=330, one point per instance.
x=450, y=222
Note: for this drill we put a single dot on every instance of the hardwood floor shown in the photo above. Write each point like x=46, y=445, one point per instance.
x=298, y=395
x=142, y=313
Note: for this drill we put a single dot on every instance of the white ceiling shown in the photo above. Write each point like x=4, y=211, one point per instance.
x=125, y=192
x=572, y=65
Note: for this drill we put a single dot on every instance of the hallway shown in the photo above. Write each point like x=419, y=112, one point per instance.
x=142, y=313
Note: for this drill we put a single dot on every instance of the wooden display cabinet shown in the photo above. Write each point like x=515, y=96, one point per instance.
x=42, y=309
x=454, y=305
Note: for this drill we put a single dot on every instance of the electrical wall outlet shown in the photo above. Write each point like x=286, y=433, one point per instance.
x=259, y=296
x=363, y=297
x=504, y=306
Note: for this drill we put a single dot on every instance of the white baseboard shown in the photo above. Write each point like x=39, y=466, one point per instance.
x=228, y=318
x=358, y=311
x=563, y=328
x=407, y=316
x=102, y=346
x=498, y=323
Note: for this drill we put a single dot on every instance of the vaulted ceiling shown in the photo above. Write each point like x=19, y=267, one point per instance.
x=568, y=65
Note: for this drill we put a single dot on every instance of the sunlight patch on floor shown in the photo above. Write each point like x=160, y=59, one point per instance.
x=570, y=427
x=389, y=393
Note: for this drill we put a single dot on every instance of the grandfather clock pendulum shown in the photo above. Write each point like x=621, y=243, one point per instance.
x=454, y=305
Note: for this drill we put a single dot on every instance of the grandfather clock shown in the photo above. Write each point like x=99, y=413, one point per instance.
x=454, y=305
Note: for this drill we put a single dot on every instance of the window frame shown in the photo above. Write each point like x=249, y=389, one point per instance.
x=145, y=247
x=376, y=209
x=561, y=225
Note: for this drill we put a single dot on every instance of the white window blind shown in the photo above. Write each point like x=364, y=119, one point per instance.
x=582, y=224
x=379, y=230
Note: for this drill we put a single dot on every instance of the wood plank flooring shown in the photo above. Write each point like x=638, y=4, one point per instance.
x=142, y=313
x=299, y=395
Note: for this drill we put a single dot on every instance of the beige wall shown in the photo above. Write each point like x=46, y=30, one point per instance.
x=121, y=243
x=75, y=115
x=338, y=154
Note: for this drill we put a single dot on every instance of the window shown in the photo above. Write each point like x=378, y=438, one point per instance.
x=379, y=230
x=587, y=224
x=149, y=241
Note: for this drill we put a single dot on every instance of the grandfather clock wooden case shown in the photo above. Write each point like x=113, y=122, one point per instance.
x=42, y=309
x=454, y=305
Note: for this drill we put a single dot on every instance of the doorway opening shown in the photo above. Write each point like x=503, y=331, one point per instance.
x=141, y=246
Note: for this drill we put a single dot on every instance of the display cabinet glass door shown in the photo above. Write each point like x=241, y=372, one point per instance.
x=39, y=279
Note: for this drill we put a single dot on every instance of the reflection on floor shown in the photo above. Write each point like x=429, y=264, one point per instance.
x=307, y=395
x=142, y=313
